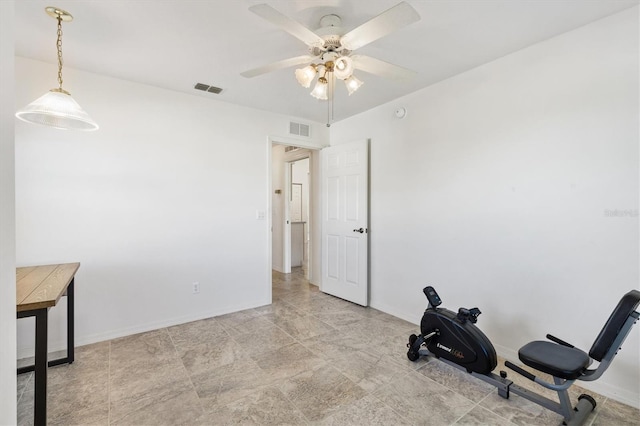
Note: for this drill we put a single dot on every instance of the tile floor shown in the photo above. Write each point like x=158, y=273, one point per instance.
x=308, y=358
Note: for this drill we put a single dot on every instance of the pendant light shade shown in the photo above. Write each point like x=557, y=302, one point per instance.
x=57, y=108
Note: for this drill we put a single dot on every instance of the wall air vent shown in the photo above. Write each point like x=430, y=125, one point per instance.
x=290, y=148
x=207, y=88
x=299, y=129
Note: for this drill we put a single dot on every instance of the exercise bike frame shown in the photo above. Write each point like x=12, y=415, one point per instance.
x=572, y=416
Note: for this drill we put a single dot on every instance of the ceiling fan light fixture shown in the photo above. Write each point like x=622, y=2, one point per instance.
x=306, y=75
x=57, y=108
x=352, y=84
x=321, y=89
x=343, y=67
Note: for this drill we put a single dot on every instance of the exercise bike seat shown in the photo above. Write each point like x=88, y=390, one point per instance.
x=569, y=363
x=557, y=360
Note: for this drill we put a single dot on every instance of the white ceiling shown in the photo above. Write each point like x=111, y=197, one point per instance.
x=175, y=44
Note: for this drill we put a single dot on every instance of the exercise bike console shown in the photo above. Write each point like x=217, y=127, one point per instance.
x=432, y=296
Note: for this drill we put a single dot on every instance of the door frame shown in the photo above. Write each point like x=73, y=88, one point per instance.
x=314, y=225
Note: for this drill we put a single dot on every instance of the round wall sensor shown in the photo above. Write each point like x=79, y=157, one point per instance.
x=401, y=112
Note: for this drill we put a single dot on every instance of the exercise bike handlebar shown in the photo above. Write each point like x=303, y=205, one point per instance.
x=520, y=371
x=559, y=341
x=533, y=378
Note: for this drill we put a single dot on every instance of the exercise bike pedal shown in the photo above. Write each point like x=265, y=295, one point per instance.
x=412, y=340
x=414, y=350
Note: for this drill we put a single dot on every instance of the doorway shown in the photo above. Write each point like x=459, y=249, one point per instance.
x=294, y=227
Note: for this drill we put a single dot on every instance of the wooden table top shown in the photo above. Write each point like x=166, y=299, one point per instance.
x=40, y=287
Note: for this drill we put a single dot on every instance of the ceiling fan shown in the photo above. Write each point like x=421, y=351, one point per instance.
x=331, y=51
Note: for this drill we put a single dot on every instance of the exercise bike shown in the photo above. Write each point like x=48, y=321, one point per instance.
x=455, y=339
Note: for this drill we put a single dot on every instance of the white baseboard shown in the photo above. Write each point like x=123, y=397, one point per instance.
x=381, y=306
x=61, y=345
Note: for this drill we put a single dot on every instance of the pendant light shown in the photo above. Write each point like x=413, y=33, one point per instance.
x=57, y=108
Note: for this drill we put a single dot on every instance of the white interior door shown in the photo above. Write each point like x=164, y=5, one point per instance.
x=345, y=221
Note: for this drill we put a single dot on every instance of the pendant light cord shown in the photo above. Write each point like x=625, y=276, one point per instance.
x=59, y=46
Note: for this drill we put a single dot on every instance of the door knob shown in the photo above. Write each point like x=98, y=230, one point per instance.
x=361, y=230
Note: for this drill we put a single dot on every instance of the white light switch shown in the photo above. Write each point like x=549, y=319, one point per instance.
x=260, y=214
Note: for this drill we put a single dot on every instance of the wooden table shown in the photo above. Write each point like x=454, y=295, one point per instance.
x=39, y=288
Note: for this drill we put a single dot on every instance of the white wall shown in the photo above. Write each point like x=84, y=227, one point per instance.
x=163, y=195
x=495, y=189
x=7, y=220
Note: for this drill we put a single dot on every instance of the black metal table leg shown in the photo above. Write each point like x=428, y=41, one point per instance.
x=40, y=376
x=70, y=336
x=70, y=322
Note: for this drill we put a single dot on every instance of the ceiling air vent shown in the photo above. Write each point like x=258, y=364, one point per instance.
x=299, y=129
x=207, y=88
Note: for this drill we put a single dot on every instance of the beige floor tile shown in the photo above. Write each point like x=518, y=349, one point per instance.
x=336, y=345
x=25, y=410
x=303, y=327
x=479, y=416
x=520, y=411
x=366, y=411
x=369, y=370
x=266, y=340
x=23, y=381
x=193, y=333
x=250, y=325
x=321, y=392
x=169, y=405
x=279, y=309
x=614, y=413
x=89, y=361
x=204, y=357
x=267, y=406
x=140, y=349
x=458, y=381
x=287, y=361
x=72, y=402
x=229, y=383
x=422, y=401
x=339, y=319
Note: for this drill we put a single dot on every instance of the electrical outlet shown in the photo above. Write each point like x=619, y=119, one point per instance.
x=196, y=288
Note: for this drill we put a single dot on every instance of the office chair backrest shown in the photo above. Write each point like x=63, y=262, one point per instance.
x=627, y=305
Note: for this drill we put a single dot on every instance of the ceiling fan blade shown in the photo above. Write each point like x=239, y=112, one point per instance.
x=285, y=63
x=387, y=22
x=382, y=68
x=289, y=25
